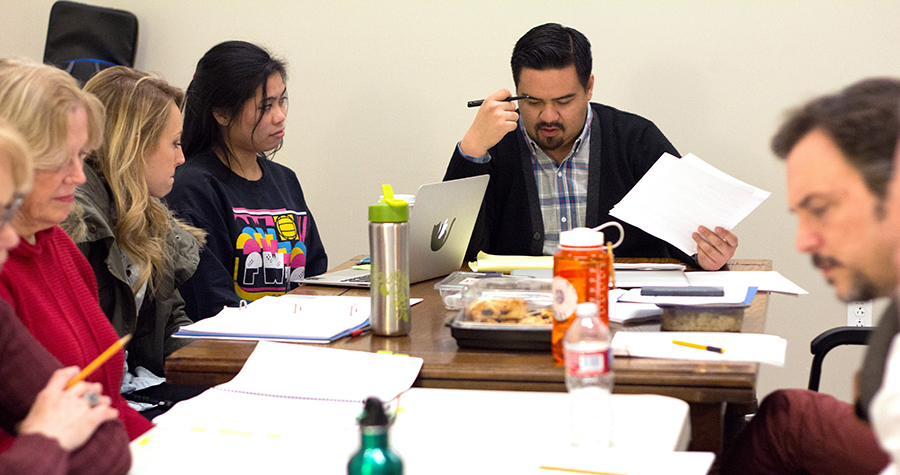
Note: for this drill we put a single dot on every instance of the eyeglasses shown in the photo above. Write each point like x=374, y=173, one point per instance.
x=9, y=210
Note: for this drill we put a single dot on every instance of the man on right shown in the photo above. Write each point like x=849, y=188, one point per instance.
x=838, y=150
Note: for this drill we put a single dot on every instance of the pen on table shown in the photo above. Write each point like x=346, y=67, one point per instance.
x=508, y=99
x=99, y=360
x=360, y=331
x=575, y=470
x=714, y=349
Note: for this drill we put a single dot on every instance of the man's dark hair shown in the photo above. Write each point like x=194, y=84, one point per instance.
x=863, y=120
x=552, y=46
x=226, y=77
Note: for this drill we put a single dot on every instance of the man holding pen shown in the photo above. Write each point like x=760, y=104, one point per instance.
x=560, y=161
x=839, y=154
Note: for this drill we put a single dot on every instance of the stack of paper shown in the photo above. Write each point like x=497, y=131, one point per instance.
x=628, y=313
x=677, y=196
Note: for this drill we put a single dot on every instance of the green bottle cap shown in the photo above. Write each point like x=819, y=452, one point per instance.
x=389, y=209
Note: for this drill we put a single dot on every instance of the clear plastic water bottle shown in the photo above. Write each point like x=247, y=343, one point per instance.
x=589, y=378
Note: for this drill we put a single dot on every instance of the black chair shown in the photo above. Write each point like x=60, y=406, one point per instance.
x=829, y=339
x=84, y=39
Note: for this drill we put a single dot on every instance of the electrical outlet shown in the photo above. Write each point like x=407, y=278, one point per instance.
x=859, y=314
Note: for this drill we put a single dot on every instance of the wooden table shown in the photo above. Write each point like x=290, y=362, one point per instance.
x=707, y=386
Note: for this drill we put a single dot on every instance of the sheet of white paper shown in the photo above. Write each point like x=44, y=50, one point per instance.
x=734, y=295
x=647, y=266
x=753, y=347
x=640, y=278
x=675, y=197
x=283, y=369
x=628, y=275
x=764, y=281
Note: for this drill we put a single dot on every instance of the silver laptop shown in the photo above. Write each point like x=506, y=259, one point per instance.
x=448, y=206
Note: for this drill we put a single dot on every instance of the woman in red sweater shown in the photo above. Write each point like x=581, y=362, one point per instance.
x=60, y=430
x=46, y=280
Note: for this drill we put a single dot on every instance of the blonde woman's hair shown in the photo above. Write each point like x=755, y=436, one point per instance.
x=137, y=113
x=36, y=100
x=15, y=151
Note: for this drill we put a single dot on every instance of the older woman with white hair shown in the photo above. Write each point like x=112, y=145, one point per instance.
x=59, y=429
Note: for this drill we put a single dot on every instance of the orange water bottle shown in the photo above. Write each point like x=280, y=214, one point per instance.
x=581, y=270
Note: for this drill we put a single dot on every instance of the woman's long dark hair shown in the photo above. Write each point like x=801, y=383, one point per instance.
x=227, y=76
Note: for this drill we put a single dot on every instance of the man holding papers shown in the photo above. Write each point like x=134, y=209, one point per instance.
x=562, y=162
x=839, y=150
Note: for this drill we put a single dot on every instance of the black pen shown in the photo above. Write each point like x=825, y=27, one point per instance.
x=508, y=99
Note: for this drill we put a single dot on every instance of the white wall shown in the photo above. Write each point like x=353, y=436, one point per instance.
x=378, y=91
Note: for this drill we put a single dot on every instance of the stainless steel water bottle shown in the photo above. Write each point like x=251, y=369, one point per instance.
x=389, y=251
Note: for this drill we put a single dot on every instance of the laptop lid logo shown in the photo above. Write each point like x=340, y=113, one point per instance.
x=439, y=234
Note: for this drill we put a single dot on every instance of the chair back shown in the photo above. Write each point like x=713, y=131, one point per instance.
x=829, y=339
x=85, y=39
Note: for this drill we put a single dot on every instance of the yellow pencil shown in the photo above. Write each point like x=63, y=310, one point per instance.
x=575, y=470
x=714, y=349
x=99, y=360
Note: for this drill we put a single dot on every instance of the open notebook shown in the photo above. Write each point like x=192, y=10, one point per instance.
x=440, y=226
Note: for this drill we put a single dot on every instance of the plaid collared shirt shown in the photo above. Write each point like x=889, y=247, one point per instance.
x=562, y=189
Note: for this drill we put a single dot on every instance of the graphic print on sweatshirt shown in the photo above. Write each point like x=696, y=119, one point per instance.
x=270, y=251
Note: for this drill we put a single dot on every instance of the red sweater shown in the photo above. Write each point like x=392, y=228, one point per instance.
x=53, y=291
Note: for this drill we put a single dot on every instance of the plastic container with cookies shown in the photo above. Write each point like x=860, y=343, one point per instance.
x=451, y=287
x=505, y=313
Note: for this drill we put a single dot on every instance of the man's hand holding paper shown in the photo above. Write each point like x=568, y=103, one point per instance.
x=691, y=205
x=714, y=248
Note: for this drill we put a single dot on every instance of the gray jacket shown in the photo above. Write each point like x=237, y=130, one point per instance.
x=91, y=227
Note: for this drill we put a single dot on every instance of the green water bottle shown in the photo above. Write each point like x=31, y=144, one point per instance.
x=374, y=456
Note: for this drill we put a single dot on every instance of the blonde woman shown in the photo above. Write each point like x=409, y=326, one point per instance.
x=139, y=253
x=45, y=279
x=59, y=430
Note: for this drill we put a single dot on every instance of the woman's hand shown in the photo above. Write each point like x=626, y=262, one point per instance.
x=70, y=416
